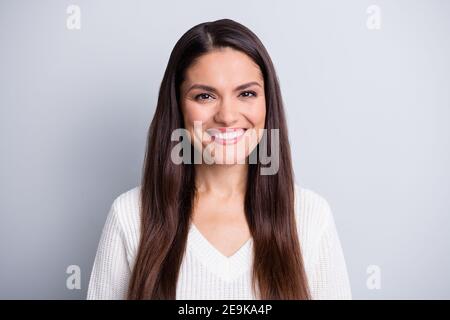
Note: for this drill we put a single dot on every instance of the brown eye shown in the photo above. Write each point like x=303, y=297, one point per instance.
x=248, y=94
x=203, y=96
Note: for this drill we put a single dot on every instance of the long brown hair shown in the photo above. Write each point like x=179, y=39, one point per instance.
x=168, y=189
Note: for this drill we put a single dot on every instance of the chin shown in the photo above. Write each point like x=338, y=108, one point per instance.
x=229, y=158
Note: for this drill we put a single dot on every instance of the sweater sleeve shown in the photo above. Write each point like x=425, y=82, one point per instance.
x=329, y=280
x=110, y=273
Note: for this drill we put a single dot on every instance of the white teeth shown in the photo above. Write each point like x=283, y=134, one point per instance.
x=228, y=135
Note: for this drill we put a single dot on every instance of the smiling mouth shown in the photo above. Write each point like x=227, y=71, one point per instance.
x=226, y=135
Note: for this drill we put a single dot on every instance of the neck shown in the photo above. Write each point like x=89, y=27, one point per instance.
x=221, y=180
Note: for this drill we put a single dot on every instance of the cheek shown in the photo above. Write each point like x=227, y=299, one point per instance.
x=193, y=112
x=258, y=114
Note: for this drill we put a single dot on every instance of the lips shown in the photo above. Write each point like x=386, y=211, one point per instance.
x=226, y=135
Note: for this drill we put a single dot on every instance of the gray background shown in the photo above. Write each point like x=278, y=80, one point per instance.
x=368, y=118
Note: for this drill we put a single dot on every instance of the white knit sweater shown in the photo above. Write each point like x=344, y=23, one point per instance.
x=205, y=273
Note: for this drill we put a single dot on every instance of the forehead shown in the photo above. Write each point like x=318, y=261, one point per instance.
x=222, y=68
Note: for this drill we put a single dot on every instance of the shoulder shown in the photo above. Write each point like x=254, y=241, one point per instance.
x=312, y=207
x=313, y=214
x=128, y=202
x=126, y=210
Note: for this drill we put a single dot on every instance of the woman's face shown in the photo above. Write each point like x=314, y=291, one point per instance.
x=223, y=105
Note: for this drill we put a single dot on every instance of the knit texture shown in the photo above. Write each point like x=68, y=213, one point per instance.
x=206, y=273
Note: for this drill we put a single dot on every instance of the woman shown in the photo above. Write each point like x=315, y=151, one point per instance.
x=219, y=228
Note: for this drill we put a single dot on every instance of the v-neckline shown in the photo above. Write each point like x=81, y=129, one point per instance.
x=227, y=267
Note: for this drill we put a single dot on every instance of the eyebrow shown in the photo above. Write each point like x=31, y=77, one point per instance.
x=212, y=89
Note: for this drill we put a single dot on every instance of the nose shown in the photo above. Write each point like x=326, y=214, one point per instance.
x=226, y=113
